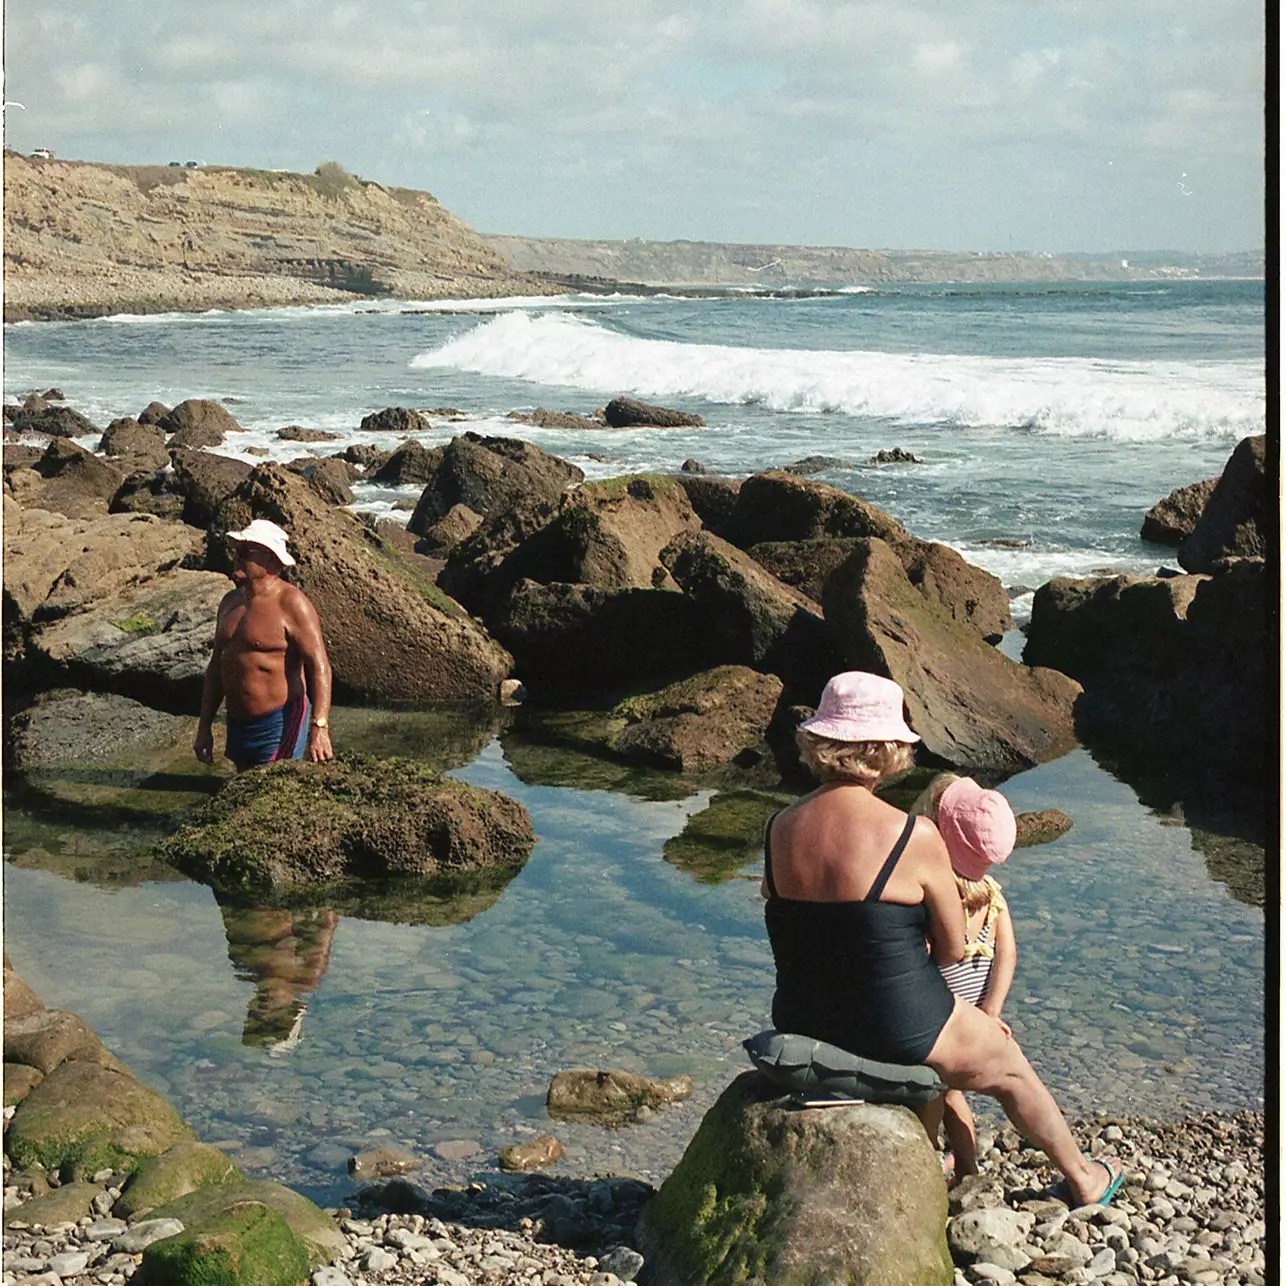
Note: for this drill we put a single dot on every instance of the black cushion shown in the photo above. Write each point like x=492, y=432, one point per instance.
x=808, y=1067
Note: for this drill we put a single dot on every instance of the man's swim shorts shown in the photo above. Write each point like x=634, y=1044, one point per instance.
x=279, y=734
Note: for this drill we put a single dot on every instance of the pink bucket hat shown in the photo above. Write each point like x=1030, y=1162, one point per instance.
x=857, y=706
x=977, y=826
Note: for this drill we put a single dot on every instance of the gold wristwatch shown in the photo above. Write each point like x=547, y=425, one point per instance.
x=323, y=722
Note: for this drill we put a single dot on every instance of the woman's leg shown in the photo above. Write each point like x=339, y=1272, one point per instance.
x=972, y=1052
x=958, y=1120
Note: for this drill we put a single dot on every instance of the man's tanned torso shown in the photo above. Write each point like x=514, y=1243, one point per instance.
x=259, y=664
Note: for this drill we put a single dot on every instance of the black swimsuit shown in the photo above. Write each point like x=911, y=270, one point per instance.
x=857, y=974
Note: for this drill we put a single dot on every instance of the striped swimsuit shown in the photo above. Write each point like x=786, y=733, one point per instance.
x=969, y=978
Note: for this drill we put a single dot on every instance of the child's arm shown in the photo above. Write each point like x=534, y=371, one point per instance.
x=1002, y=968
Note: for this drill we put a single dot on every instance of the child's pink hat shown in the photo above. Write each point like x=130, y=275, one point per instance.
x=977, y=826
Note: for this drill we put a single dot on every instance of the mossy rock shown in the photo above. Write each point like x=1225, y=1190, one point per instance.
x=177, y=1171
x=66, y=1204
x=295, y=824
x=764, y=1193
x=719, y=841
x=246, y=1245
x=83, y=1118
x=1041, y=827
x=312, y=1225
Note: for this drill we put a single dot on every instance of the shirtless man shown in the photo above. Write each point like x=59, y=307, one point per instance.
x=269, y=661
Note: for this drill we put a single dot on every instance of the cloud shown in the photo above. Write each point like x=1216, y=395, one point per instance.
x=772, y=110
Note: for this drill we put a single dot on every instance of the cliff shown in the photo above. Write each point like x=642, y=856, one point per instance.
x=82, y=239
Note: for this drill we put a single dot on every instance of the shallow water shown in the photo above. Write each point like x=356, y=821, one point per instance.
x=1139, y=986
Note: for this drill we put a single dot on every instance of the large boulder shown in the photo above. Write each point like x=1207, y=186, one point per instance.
x=205, y=481
x=713, y=718
x=49, y=1038
x=127, y=437
x=181, y=1169
x=199, y=422
x=459, y=523
x=395, y=419
x=1169, y=521
x=301, y=824
x=1237, y=521
x=971, y=595
x=753, y=619
x=57, y=421
x=66, y=479
x=768, y=1194
x=610, y=1097
x=488, y=475
x=1178, y=671
x=627, y=412
x=713, y=499
x=780, y=506
x=581, y=642
x=412, y=462
x=391, y=634
x=972, y=706
x=83, y=1118
x=67, y=727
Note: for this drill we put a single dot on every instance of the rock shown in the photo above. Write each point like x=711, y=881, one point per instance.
x=17, y=456
x=699, y=723
x=129, y=437
x=712, y=499
x=411, y=462
x=297, y=433
x=400, y=420
x=381, y=1162
x=894, y=455
x=198, y=422
x=83, y=1117
x=137, y=1238
x=1236, y=522
x=200, y=1211
x=50, y=1037
x=205, y=481
x=622, y=1263
x=329, y=479
x=488, y=475
x=181, y=1169
x=693, y=466
x=19, y=999
x=365, y=457
x=1170, y=520
x=580, y=643
x=969, y=594
x=1041, y=827
x=69, y=480
x=532, y=1155
x=148, y=489
x=608, y=1097
x=977, y=1231
x=57, y=421
x=248, y=1242
x=153, y=413
x=851, y=1194
x=68, y=1203
x=391, y=635
x=816, y=464
x=718, y=842
x=299, y=823
x=779, y=506
x=459, y=523
x=544, y=419
x=752, y=618
x=972, y=706
x=33, y=402
x=625, y=412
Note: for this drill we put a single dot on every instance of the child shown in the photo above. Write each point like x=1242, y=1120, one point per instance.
x=979, y=830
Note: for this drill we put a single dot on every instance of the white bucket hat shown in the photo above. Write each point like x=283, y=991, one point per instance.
x=269, y=535
x=857, y=706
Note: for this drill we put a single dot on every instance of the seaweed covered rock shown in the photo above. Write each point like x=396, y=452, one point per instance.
x=767, y=1194
x=171, y=1174
x=611, y=1097
x=297, y=824
x=717, y=843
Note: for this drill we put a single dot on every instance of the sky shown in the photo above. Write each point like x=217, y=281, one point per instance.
x=1027, y=125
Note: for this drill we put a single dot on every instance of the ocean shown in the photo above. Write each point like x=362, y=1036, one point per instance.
x=1047, y=421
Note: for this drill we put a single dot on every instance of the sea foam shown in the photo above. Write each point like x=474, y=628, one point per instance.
x=1065, y=396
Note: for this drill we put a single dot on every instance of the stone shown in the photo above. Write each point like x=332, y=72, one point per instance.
x=181, y=1169
x=19, y=1081
x=19, y=999
x=198, y=422
x=1170, y=520
x=380, y=1162
x=1041, y=826
x=68, y=1203
x=329, y=479
x=1236, y=521
x=457, y=524
x=778, y=506
x=400, y=420
x=153, y=413
x=411, y=462
x=851, y=1193
x=83, y=1117
x=57, y=421
x=622, y=1263
x=70, y=481
x=531, y=1155
x=610, y=1096
x=297, y=433
x=627, y=412
x=50, y=1037
x=376, y=1259
x=128, y=437
x=390, y=633
x=974, y=1231
x=296, y=824
x=713, y=499
x=205, y=480
x=972, y=705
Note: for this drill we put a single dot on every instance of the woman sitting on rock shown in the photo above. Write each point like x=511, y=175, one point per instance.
x=854, y=886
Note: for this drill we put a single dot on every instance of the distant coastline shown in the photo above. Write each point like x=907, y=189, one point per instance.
x=87, y=240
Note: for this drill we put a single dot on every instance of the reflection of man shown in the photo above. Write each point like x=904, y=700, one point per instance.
x=269, y=661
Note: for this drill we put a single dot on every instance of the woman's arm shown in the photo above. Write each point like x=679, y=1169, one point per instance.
x=946, y=927
x=1002, y=967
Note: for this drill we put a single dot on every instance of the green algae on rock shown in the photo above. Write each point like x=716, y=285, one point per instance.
x=174, y=1173
x=295, y=824
x=719, y=841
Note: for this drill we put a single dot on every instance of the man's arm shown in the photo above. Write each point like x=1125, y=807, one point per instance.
x=211, y=696
x=305, y=634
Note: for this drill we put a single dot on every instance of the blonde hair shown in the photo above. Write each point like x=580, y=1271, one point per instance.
x=863, y=762
x=975, y=894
